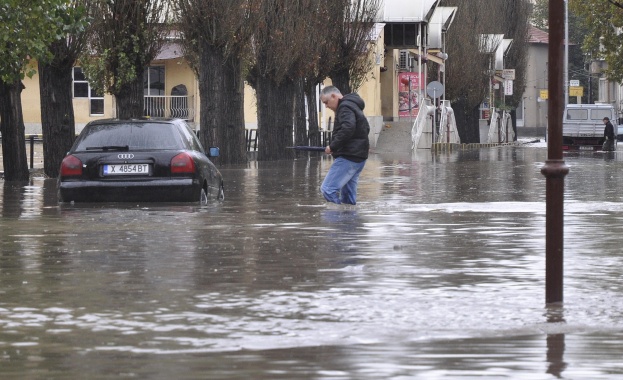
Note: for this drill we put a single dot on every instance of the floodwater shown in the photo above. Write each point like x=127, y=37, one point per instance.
x=437, y=273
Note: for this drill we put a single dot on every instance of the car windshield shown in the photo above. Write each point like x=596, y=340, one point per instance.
x=131, y=136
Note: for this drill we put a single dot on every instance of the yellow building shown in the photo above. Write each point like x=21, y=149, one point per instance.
x=171, y=90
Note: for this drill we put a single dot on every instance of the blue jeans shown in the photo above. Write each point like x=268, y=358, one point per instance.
x=340, y=184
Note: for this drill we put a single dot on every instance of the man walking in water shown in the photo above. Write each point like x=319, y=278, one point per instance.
x=349, y=145
x=609, y=136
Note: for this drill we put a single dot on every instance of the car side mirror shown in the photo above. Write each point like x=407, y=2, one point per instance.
x=214, y=151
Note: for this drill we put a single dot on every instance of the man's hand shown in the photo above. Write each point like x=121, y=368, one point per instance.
x=327, y=150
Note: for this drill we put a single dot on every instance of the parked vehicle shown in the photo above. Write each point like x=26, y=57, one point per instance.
x=142, y=160
x=583, y=127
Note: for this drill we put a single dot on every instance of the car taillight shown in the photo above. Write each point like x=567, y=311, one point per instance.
x=182, y=163
x=71, y=166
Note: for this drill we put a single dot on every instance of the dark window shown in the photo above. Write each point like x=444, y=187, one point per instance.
x=79, y=75
x=153, y=80
x=153, y=88
x=401, y=35
x=82, y=89
x=136, y=136
x=97, y=107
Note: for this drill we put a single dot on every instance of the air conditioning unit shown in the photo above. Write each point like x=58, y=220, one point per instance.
x=406, y=61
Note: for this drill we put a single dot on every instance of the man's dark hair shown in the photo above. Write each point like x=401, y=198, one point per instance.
x=606, y=118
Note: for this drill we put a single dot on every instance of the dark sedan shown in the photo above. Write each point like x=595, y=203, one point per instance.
x=142, y=160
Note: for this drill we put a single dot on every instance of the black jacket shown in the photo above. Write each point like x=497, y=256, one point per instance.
x=609, y=131
x=351, y=129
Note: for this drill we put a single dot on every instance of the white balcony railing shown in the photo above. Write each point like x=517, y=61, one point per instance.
x=176, y=106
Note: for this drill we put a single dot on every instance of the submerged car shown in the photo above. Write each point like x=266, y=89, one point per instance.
x=139, y=160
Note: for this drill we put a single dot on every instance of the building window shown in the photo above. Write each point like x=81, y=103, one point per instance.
x=153, y=81
x=82, y=89
x=153, y=88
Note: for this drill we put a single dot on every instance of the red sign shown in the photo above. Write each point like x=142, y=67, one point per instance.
x=409, y=85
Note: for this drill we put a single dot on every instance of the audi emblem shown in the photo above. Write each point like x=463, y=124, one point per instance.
x=125, y=156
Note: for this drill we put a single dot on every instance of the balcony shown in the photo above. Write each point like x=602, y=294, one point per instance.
x=175, y=106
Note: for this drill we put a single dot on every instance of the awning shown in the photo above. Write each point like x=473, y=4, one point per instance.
x=434, y=58
x=170, y=50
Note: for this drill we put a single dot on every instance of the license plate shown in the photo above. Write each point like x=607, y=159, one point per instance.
x=126, y=169
x=586, y=148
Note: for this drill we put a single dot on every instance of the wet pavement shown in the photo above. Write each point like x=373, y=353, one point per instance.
x=437, y=273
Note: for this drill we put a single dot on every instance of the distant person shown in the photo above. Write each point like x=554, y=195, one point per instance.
x=349, y=145
x=609, y=136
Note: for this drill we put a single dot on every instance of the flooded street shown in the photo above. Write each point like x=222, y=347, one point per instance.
x=437, y=273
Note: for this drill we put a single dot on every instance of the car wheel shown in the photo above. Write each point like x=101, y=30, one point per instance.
x=221, y=192
x=203, y=198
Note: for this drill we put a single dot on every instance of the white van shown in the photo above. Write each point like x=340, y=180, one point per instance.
x=583, y=127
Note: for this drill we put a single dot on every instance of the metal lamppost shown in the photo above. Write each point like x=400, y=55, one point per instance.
x=555, y=168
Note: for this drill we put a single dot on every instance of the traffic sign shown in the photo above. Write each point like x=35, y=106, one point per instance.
x=508, y=74
x=576, y=91
x=434, y=89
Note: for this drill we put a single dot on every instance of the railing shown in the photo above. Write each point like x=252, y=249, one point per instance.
x=177, y=106
x=251, y=138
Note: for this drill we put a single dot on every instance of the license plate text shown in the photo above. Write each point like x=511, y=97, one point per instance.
x=125, y=169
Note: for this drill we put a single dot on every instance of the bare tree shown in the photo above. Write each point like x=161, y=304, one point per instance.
x=55, y=87
x=280, y=56
x=467, y=79
x=216, y=34
x=468, y=68
x=321, y=59
x=516, y=15
x=128, y=34
x=352, y=23
x=332, y=39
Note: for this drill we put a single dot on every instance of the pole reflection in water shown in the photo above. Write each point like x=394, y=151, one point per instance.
x=555, y=341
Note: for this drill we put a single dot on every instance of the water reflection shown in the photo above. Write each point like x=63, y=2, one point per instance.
x=437, y=273
x=555, y=342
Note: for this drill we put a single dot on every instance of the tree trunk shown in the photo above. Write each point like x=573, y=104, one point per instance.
x=341, y=79
x=210, y=73
x=222, y=104
x=467, y=121
x=275, y=115
x=130, y=100
x=57, y=114
x=231, y=131
x=12, y=129
x=514, y=122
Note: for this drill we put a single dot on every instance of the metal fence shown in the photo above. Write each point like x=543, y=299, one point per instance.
x=176, y=106
x=251, y=138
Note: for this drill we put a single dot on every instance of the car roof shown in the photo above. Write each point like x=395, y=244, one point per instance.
x=142, y=120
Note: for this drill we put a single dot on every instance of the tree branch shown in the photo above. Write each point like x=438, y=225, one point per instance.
x=616, y=3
